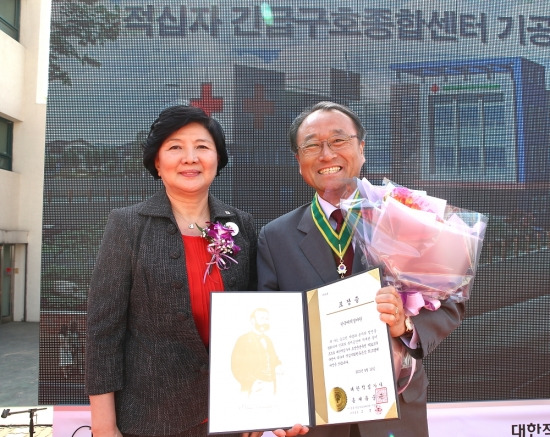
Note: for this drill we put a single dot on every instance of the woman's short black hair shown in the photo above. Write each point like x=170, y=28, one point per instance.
x=169, y=121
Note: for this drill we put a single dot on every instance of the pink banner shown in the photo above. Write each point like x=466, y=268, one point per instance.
x=482, y=419
x=71, y=421
x=469, y=419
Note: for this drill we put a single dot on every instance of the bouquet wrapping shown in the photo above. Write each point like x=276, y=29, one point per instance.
x=428, y=249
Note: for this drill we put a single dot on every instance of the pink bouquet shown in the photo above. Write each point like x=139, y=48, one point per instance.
x=429, y=250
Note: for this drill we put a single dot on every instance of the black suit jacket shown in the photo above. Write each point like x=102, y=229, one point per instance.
x=142, y=342
x=293, y=255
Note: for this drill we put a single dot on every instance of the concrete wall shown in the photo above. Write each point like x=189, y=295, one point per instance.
x=23, y=80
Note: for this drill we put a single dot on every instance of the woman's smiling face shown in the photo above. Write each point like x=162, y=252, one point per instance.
x=187, y=160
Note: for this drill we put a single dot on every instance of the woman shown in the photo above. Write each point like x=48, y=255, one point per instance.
x=148, y=304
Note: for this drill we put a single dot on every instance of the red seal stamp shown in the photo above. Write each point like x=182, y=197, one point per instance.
x=381, y=395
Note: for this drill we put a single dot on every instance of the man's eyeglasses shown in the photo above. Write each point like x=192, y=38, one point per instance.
x=335, y=143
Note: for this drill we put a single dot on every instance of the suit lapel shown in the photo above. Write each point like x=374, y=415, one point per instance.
x=158, y=205
x=316, y=250
x=219, y=212
x=319, y=254
x=360, y=263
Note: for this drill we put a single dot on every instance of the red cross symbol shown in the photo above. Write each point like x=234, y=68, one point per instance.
x=207, y=102
x=258, y=106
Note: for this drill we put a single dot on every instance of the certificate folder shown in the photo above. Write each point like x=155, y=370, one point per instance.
x=318, y=357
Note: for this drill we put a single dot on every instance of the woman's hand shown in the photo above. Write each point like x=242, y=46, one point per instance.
x=113, y=432
x=103, y=415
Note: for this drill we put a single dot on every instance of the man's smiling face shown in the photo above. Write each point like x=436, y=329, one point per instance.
x=329, y=172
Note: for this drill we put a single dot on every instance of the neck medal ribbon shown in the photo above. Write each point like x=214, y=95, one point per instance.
x=338, y=242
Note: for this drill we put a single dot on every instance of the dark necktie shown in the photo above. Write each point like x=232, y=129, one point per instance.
x=347, y=257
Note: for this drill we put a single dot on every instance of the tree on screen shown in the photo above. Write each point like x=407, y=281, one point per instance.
x=76, y=25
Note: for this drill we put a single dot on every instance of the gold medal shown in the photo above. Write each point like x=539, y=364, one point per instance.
x=338, y=399
x=341, y=269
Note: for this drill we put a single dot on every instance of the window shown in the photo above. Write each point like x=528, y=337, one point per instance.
x=376, y=120
x=6, y=137
x=470, y=133
x=9, y=17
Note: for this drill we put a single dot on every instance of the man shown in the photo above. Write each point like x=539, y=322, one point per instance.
x=294, y=254
x=254, y=361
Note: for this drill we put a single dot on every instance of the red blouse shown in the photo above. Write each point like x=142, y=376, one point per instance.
x=199, y=289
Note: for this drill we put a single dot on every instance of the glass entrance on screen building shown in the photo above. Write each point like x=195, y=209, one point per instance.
x=6, y=282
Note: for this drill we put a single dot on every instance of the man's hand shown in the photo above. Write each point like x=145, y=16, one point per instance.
x=390, y=307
